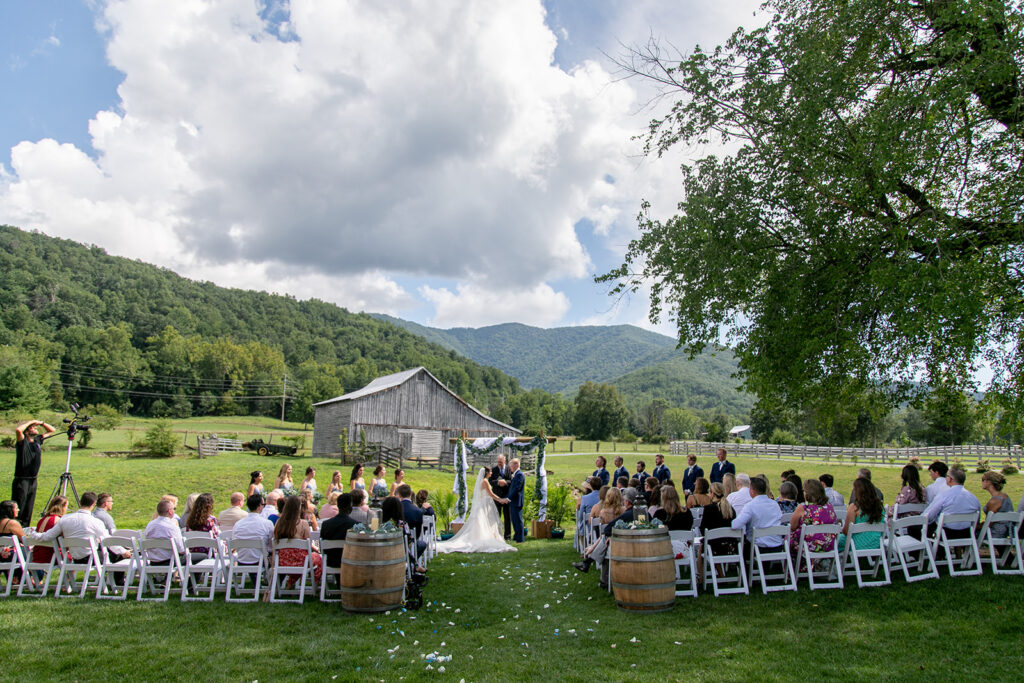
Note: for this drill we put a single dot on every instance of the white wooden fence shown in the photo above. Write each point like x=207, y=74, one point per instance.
x=967, y=454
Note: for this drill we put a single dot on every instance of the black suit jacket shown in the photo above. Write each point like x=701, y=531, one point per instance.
x=690, y=477
x=516, y=493
x=626, y=516
x=500, y=491
x=335, y=529
x=413, y=515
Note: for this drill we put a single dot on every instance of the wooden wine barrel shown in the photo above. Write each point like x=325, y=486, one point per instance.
x=643, y=573
x=372, y=572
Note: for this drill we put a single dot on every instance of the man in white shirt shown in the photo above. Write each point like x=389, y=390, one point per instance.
x=957, y=500
x=271, y=506
x=759, y=513
x=254, y=526
x=104, y=504
x=741, y=496
x=937, y=471
x=228, y=518
x=835, y=499
x=80, y=524
x=164, y=526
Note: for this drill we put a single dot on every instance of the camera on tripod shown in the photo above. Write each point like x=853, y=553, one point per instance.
x=77, y=423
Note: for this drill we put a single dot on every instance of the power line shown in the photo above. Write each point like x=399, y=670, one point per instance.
x=155, y=394
x=158, y=379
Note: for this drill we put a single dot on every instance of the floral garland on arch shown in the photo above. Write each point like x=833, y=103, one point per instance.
x=486, y=446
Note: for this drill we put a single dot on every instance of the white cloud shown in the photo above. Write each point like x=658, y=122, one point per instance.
x=474, y=306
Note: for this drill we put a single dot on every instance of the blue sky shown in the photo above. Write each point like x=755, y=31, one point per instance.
x=451, y=163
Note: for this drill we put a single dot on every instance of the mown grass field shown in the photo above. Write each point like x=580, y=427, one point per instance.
x=527, y=616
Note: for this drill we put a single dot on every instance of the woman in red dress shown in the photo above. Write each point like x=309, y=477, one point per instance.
x=292, y=526
x=57, y=508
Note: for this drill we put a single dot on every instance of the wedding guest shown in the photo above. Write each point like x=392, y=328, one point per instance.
x=634, y=484
x=309, y=481
x=728, y=482
x=9, y=524
x=759, y=513
x=717, y=514
x=379, y=473
x=391, y=510
x=57, y=508
x=691, y=474
x=190, y=501
x=661, y=470
x=651, y=490
x=233, y=514
x=864, y=507
x=270, y=506
x=279, y=502
x=671, y=512
x=173, y=500
x=595, y=553
x=769, y=485
x=356, y=482
x=331, y=509
x=912, y=492
x=799, y=484
x=992, y=482
x=722, y=467
x=201, y=519
x=309, y=509
x=254, y=527
x=620, y=471
x=957, y=500
x=284, y=478
x=741, y=496
x=866, y=474
x=589, y=500
x=255, y=484
x=601, y=473
x=80, y=524
x=622, y=483
x=399, y=480
x=813, y=511
x=787, y=499
x=335, y=485
x=164, y=526
x=937, y=471
x=700, y=496
x=104, y=504
x=423, y=503
x=609, y=507
x=413, y=516
x=360, y=509
x=291, y=526
x=337, y=527
x=834, y=497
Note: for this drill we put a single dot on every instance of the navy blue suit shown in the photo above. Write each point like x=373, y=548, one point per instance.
x=516, y=501
x=720, y=469
x=621, y=472
x=414, y=519
x=690, y=477
x=602, y=474
x=662, y=472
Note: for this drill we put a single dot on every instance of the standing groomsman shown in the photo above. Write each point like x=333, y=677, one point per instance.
x=601, y=472
x=661, y=472
x=620, y=471
x=692, y=473
x=722, y=467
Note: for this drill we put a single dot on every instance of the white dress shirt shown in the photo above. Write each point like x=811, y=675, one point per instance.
x=253, y=527
x=79, y=524
x=835, y=498
x=759, y=513
x=955, y=501
x=935, y=489
x=739, y=499
x=164, y=527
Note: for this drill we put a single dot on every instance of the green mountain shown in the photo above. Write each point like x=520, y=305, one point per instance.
x=643, y=364
x=100, y=328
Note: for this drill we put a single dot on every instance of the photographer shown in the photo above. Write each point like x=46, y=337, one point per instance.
x=29, y=455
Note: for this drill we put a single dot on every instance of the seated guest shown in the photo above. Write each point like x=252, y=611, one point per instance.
x=360, y=509
x=164, y=526
x=9, y=524
x=799, y=484
x=937, y=471
x=104, y=504
x=413, y=516
x=866, y=474
x=728, y=483
x=229, y=517
x=912, y=492
x=391, y=510
x=787, y=499
x=701, y=494
x=956, y=500
x=595, y=511
x=596, y=553
x=291, y=526
x=993, y=482
x=589, y=500
x=57, y=508
x=275, y=514
x=864, y=507
x=741, y=496
x=270, y=505
x=651, y=493
x=609, y=507
x=331, y=509
x=834, y=497
x=813, y=511
x=691, y=474
x=769, y=485
x=759, y=513
x=671, y=512
x=634, y=484
x=309, y=509
x=254, y=527
x=80, y=524
x=336, y=527
x=202, y=519
x=423, y=503
x=717, y=514
x=621, y=483
x=190, y=501
x=173, y=500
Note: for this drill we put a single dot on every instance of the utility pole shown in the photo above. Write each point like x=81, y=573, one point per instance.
x=284, y=392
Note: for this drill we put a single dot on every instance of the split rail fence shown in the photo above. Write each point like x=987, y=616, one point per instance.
x=968, y=454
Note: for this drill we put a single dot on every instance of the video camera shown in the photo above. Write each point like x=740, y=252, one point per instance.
x=76, y=424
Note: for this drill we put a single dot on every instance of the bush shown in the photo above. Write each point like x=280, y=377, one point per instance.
x=656, y=438
x=84, y=438
x=104, y=417
x=782, y=437
x=982, y=467
x=160, y=440
x=561, y=503
x=8, y=442
x=443, y=503
x=1009, y=467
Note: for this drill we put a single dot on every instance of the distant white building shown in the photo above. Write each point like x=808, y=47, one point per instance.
x=740, y=432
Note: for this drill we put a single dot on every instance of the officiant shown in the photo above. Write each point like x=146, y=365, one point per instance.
x=499, y=479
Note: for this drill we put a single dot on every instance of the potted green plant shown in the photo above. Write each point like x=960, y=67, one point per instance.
x=444, y=510
x=560, y=504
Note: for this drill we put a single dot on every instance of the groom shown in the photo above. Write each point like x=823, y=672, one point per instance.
x=499, y=479
x=516, y=499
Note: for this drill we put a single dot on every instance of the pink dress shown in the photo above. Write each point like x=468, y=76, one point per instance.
x=815, y=514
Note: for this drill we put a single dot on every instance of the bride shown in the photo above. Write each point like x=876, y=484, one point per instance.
x=482, y=531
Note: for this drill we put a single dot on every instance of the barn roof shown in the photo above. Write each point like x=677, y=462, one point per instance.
x=391, y=381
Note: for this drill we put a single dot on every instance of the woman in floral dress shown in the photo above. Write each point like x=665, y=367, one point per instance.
x=815, y=510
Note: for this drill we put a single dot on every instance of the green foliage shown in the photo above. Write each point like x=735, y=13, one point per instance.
x=298, y=441
x=951, y=415
x=22, y=386
x=717, y=429
x=561, y=503
x=103, y=416
x=782, y=436
x=160, y=440
x=866, y=223
x=343, y=441
x=84, y=438
x=600, y=411
x=443, y=502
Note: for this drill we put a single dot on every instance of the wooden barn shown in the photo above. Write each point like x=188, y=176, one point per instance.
x=412, y=410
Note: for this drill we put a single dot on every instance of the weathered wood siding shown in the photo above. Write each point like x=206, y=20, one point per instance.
x=328, y=421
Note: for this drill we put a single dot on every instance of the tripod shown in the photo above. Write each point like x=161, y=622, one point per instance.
x=65, y=479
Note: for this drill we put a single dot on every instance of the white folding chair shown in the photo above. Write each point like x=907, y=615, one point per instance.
x=430, y=536
x=1010, y=544
x=147, y=570
x=106, y=583
x=828, y=560
x=30, y=584
x=237, y=572
x=201, y=573
x=314, y=536
x=969, y=562
x=281, y=574
x=698, y=515
x=69, y=570
x=10, y=546
x=759, y=556
x=325, y=592
x=582, y=528
x=907, y=550
x=906, y=509
x=876, y=556
x=713, y=562
x=686, y=566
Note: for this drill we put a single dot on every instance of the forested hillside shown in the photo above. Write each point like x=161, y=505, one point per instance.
x=79, y=324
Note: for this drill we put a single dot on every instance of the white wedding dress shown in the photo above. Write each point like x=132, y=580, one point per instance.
x=482, y=531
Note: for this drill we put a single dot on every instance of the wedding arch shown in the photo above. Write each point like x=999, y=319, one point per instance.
x=485, y=446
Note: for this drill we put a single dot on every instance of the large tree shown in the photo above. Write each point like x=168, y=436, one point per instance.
x=600, y=411
x=862, y=229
